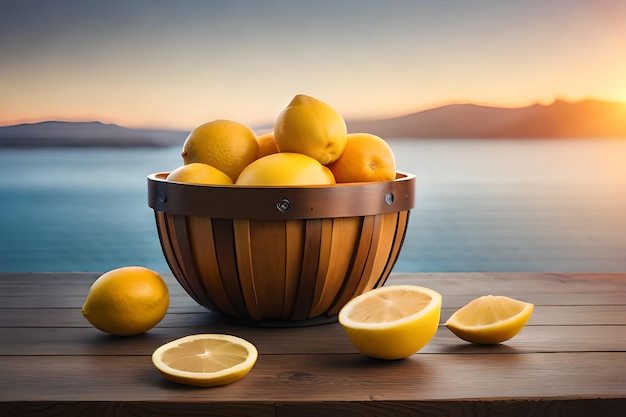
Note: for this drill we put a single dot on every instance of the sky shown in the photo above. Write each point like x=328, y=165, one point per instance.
x=177, y=64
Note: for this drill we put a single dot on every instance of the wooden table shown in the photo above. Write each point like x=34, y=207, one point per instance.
x=569, y=360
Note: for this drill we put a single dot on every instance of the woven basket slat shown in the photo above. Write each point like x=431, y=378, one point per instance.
x=291, y=261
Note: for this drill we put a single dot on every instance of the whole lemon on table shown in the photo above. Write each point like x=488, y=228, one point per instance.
x=311, y=127
x=198, y=173
x=285, y=169
x=224, y=144
x=366, y=158
x=127, y=301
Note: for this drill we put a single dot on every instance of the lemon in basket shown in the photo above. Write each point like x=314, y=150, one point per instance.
x=366, y=158
x=311, y=127
x=392, y=322
x=226, y=145
x=285, y=169
x=199, y=173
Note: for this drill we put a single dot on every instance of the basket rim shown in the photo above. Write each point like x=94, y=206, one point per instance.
x=281, y=203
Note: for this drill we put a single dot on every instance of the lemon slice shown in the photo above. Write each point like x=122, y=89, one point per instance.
x=490, y=319
x=392, y=322
x=205, y=360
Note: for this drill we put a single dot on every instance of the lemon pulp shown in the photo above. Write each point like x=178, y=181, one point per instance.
x=392, y=322
x=205, y=359
x=490, y=319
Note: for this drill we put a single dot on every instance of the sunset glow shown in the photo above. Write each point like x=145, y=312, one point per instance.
x=175, y=65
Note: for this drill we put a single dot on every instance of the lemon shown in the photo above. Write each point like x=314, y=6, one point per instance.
x=311, y=127
x=198, y=173
x=224, y=144
x=267, y=144
x=205, y=360
x=127, y=301
x=285, y=169
x=392, y=322
x=366, y=158
x=490, y=319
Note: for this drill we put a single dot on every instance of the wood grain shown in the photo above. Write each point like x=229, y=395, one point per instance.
x=327, y=377
x=570, y=359
x=315, y=339
x=553, y=288
x=523, y=407
x=196, y=316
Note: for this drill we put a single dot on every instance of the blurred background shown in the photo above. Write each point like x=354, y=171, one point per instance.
x=512, y=115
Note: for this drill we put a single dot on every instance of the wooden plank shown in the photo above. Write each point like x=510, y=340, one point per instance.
x=56, y=299
x=545, y=408
x=314, y=340
x=321, y=378
x=54, y=290
x=571, y=353
x=136, y=409
x=519, y=283
x=517, y=407
x=460, y=282
x=196, y=316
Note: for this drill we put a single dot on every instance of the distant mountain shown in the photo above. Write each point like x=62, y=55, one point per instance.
x=86, y=134
x=561, y=119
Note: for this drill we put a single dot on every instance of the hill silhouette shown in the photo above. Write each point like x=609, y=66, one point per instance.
x=561, y=119
x=86, y=134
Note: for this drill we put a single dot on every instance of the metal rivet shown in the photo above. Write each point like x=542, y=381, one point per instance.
x=162, y=197
x=389, y=198
x=283, y=205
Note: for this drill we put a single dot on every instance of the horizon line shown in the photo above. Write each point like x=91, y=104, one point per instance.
x=556, y=99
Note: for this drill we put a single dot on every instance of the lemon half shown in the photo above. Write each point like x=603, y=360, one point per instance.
x=205, y=360
x=392, y=322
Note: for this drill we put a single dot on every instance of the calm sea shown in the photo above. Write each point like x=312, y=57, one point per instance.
x=482, y=205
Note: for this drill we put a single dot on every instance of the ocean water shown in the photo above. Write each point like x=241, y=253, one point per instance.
x=481, y=206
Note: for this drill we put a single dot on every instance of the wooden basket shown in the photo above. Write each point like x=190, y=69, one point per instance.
x=276, y=255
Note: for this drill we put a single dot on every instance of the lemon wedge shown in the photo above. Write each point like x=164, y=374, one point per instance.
x=205, y=360
x=392, y=322
x=490, y=319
